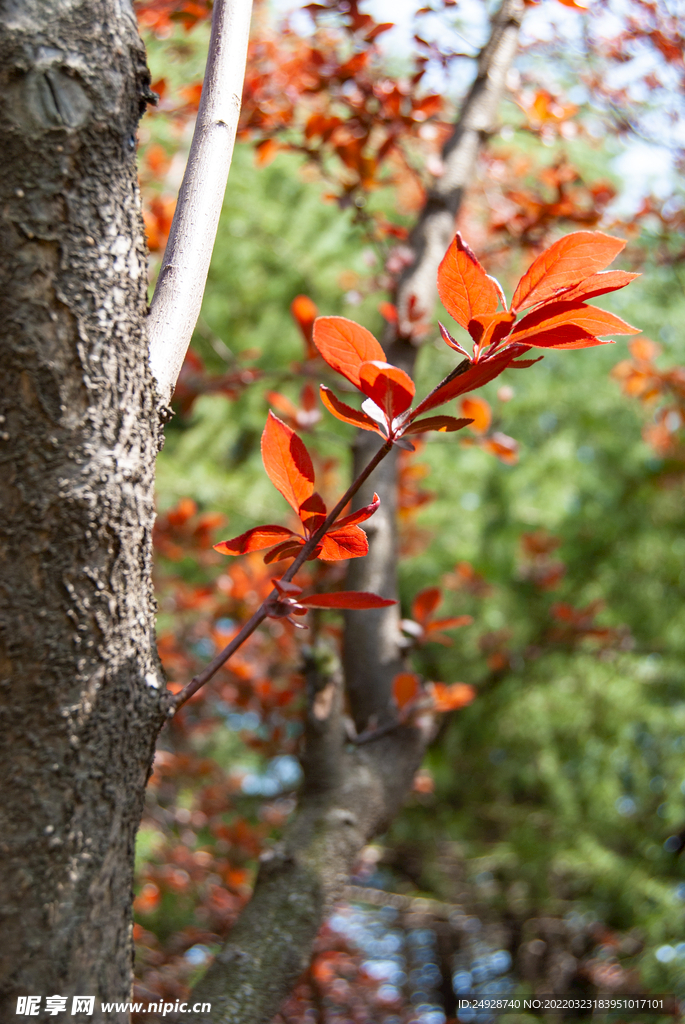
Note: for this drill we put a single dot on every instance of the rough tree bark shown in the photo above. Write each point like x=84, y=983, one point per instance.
x=83, y=696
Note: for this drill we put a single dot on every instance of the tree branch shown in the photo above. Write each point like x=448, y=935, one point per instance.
x=181, y=283
x=348, y=796
x=262, y=612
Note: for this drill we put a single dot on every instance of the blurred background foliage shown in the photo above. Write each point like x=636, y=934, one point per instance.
x=558, y=794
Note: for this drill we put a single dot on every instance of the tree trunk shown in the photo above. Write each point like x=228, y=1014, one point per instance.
x=83, y=696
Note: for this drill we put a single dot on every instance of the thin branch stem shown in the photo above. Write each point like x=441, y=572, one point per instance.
x=262, y=612
x=181, y=283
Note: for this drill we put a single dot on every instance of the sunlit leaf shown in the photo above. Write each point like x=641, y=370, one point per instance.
x=360, y=516
x=558, y=314
x=406, y=687
x=465, y=289
x=449, y=698
x=390, y=388
x=345, y=345
x=349, y=542
x=565, y=264
x=478, y=410
x=254, y=540
x=598, y=284
x=287, y=462
x=345, y=412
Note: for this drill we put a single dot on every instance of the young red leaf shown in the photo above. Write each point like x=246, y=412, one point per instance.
x=359, y=517
x=425, y=603
x=598, y=284
x=406, y=687
x=469, y=376
x=304, y=312
x=345, y=345
x=558, y=314
x=286, y=588
x=287, y=550
x=490, y=328
x=465, y=289
x=449, y=340
x=389, y=387
x=312, y=512
x=441, y=423
x=346, y=599
x=287, y=462
x=345, y=412
x=565, y=264
x=254, y=540
x=349, y=542
x=567, y=336
x=451, y=623
x=479, y=411
x=449, y=698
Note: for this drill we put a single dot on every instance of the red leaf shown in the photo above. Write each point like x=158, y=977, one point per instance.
x=345, y=345
x=468, y=377
x=567, y=336
x=425, y=603
x=389, y=387
x=312, y=512
x=598, y=284
x=452, y=623
x=346, y=599
x=441, y=423
x=287, y=462
x=286, y=550
x=254, y=540
x=449, y=698
x=358, y=517
x=304, y=312
x=465, y=289
x=350, y=542
x=286, y=588
x=346, y=413
x=565, y=264
x=490, y=328
x=405, y=688
x=479, y=411
x=558, y=314
x=505, y=448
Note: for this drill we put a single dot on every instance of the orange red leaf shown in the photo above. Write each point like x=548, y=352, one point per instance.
x=287, y=462
x=345, y=345
x=254, y=540
x=406, y=687
x=465, y=289
x=559, y=314
x=449, y=698
x=389, y=387
x=565, y=264
x=345, y=412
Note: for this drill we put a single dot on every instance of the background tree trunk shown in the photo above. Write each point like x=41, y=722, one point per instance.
x=83, y=697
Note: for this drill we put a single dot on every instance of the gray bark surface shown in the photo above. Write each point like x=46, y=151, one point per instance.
x=82, y=693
